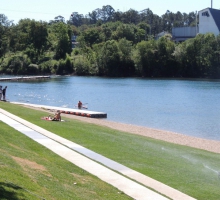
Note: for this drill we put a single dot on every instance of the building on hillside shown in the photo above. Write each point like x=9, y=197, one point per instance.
x=180, y=34
x=73, y=41
x=209, y=22
x=159, y=35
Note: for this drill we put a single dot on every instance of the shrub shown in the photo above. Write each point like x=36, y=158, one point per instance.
x=16, y=64
x=81, y=66
x=49, y=66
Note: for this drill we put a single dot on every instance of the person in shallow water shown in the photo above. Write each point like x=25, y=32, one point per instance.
x=79, y=104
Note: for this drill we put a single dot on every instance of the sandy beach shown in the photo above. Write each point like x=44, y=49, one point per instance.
x=200, y=143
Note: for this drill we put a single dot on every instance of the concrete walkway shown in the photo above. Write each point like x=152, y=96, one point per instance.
x=68, y=150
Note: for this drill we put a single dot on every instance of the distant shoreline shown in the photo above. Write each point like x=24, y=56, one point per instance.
x=172, y=137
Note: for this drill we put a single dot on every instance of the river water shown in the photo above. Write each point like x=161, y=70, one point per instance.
x=189, y=107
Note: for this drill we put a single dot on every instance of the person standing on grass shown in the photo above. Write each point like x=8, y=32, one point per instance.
x=4, y=92
x=1, y=92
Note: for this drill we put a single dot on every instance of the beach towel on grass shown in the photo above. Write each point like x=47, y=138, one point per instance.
x=50, y=119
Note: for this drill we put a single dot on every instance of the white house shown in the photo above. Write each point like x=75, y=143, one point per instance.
x=209, y=21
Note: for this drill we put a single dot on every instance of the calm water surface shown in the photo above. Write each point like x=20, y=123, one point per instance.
x=190, y=107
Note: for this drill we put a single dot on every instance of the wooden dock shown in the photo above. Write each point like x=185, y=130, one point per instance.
x=78, y=112
x=24, y=78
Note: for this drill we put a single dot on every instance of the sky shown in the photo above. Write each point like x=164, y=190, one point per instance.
x=47, y=10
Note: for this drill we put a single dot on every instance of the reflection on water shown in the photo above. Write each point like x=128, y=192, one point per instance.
x=186, y=106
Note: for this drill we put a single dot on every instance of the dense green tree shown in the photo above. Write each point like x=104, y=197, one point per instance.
x=62, y=39
x=144, y=31
x=215, y=68
x=3, y=40
x=16, y=64
x=94, y=16
x=4, y=31
x=127, y=31
x=4, y=21
x=207, y=53
x=57, y=19
x=61, y=66
x=126, y=63
x=19, y=37
x=75, y=31
x=108, y=59
x=38, y=36
x=144, y=58
x=110, y=43
x=106, y=32
x=92, y=36
x=76, y=19
x=13, y=39
x=165, y=49
x=130, y=17
x=117, y=16
x=107, y=13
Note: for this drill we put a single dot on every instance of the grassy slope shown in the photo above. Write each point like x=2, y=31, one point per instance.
x=192, y=171
x=30, y=171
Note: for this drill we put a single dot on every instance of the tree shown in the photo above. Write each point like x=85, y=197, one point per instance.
x=130, y=17
x=106, y=31
x=76, y=19
x=57, y=19
x=207, y=54
x=107, y=13
x=125, y=31
x=92, y=36
x=38, y=36
x=108, y=59
x=145, y=58
x=94, y=16
x=143, y=31
x=166, y=63
x=62, y=36
x=19, y=36
x=126, y=63
x=117, y=16
x=3, y=40
x=4, y=31
x=4, y=21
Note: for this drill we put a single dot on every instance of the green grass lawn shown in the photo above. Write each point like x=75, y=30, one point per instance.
x=30, y=171
x=192, y=171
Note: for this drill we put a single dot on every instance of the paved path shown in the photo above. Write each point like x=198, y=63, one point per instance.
x=73, y=153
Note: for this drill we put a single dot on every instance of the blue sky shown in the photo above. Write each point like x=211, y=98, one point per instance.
x=46, y=10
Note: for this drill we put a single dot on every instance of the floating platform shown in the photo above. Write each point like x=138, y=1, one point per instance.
x=78, y=112
x=24, y=78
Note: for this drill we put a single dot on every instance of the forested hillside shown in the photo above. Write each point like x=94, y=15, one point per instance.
x=108, y=43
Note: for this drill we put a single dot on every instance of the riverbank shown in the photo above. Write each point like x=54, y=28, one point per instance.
x=186, y=107
x=181, y=167
x=176, y=138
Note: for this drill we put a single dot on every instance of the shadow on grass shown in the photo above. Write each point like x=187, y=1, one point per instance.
x=9, y=191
